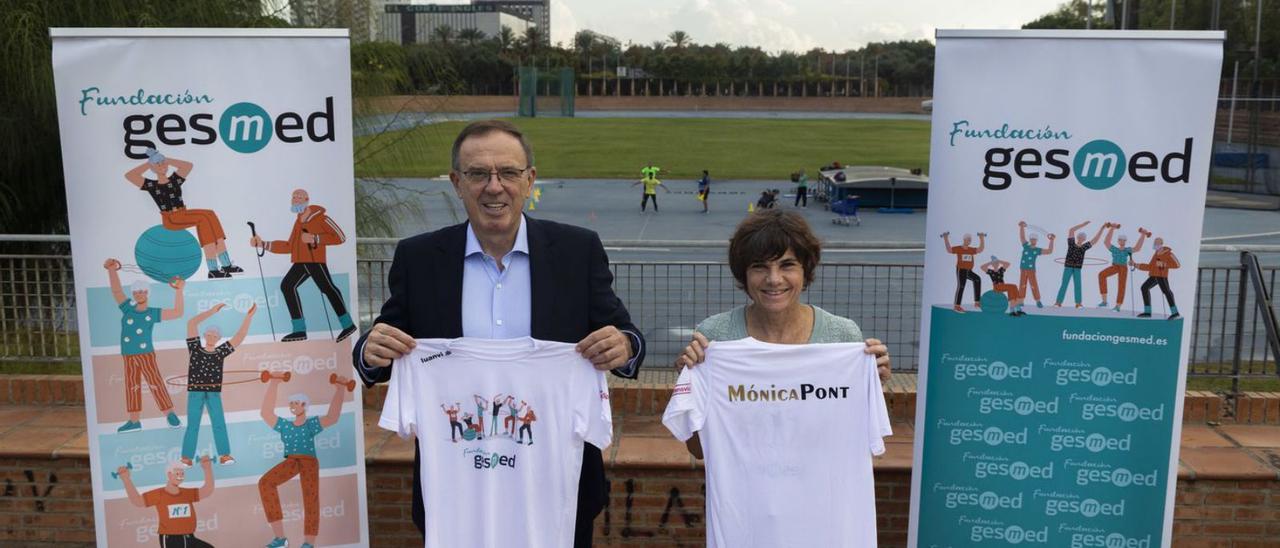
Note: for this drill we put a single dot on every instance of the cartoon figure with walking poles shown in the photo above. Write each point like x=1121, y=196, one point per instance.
x=313, y=231
x=1157, y=269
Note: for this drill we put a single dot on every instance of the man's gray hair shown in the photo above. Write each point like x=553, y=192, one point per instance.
x=485, y=127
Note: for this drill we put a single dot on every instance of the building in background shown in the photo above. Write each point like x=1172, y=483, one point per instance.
x=360, y=17
x=417, y=23
x=537, y=12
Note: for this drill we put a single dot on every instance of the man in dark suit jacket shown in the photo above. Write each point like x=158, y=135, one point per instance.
x=559, y=274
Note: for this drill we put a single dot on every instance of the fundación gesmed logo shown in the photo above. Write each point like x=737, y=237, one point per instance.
x=1098, y=164
x=244, y=127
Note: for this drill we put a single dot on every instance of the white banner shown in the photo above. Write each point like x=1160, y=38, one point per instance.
x=179, y=146
x=1068, y=176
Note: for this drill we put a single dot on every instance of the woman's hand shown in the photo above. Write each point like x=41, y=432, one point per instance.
x=878, y=349
x=695, y=353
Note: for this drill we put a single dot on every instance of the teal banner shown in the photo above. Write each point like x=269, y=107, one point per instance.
x=1047, y=430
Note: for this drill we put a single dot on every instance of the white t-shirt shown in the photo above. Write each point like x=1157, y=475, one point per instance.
x=788, y=432
x=509, y=482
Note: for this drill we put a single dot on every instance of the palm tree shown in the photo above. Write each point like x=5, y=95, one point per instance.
x=532, y=39
x=471, y=36
x=506, y=37
x=679, y=38
x=443, y=33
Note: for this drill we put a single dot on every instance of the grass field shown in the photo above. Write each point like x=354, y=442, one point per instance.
x=619, y=147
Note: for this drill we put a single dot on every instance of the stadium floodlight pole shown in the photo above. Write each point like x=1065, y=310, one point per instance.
x=1173, y=12
x=1088, y=14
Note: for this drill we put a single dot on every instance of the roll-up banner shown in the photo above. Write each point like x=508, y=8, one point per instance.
x=1068, y=176
x=209, y=189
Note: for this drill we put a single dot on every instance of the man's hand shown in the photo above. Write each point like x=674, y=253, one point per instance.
x=945, y=234
x=695, y=353
x=255, y=241
x=881, y=352
x=111, y=265
x=386, y=343
x=607, y=348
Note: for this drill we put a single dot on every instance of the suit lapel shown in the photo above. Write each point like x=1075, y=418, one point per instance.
x=448, y=265
x=541, y=262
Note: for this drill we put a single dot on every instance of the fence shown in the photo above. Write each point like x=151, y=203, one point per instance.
x=667, y=299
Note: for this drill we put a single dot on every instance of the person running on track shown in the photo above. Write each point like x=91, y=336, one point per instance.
x=1121, y=256
x=1158, y=271
x=1027, y=266
x=995, y=269
x=965, y=253
x=1076, y=248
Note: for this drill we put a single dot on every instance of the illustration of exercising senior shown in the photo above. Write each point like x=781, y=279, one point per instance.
x=1157, y=269
x=166, y=190
x=298, y=433
x=174, y=504
x=1074, y=262
x=1121, y=256
x=1031, y=253
x=136, y=323
x=964, y=266
x=312, y=232
x=204, y=381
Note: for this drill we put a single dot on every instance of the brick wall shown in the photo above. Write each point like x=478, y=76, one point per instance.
x=48, y=501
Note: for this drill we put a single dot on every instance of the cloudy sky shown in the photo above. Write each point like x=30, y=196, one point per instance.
x=795, y=25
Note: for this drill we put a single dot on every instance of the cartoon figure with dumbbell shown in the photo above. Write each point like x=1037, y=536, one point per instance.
x=298, y=433
x=174, y=504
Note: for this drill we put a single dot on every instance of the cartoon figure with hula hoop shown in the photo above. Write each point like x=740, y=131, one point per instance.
x=1074, y=261
x=204, y=381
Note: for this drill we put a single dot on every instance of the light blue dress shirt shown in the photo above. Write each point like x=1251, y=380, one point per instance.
x=496, y=303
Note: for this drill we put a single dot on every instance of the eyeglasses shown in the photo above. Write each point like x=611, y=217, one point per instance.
x=508, y=175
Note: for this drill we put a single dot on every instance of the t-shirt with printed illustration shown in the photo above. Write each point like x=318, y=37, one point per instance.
x=167, y=197
x=299, y=440
x=964, y=256
x=204, y=368
x=518, y=487
x=788, y=432
x=135, y=328
x=177, y=512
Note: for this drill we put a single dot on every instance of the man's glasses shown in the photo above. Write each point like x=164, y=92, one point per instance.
x=508, y=175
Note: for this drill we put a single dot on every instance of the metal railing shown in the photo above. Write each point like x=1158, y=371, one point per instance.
x=667, y=299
